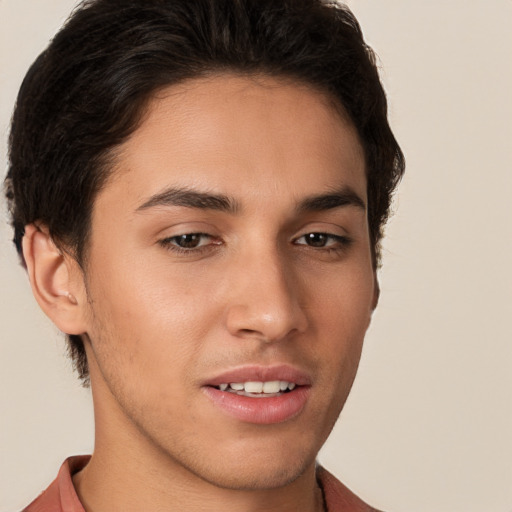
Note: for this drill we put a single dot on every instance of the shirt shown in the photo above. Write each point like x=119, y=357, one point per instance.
x=61, y=495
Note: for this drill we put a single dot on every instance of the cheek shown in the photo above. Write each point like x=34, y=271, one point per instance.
x=149, y=291
x=342, y=312
x=148, y=317
x=343, y=303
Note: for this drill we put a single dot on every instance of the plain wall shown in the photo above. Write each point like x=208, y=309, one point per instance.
x=428, y=427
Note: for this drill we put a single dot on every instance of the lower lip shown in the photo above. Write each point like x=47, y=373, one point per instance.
x=263, y=411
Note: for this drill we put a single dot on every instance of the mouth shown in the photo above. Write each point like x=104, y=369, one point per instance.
x=261, y=395
x=258, y=389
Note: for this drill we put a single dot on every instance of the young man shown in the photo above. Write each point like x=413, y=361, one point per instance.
x=198, y=190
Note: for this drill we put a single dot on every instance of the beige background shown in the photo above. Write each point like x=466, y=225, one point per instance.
x=428, y=427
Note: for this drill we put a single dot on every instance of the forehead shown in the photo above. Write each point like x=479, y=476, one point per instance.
x=239, y=136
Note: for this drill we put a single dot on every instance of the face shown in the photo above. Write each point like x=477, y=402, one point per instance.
x=229, y=280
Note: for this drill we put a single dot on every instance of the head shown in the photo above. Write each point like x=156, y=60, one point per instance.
x=87, y=92
x=98, y=91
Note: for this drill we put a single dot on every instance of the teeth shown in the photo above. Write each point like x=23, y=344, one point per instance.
x=271, y=387
x=253, y=387
x=256, y=387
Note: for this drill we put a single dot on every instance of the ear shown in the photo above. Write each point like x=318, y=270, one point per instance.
x=375, y=298
x=56, y=280
x=376, y=291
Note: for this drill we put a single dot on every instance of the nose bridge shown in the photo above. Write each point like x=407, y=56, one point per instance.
x=266, y=300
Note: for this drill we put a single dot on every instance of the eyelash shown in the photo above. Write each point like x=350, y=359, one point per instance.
x=169, y=243
x=340, y=243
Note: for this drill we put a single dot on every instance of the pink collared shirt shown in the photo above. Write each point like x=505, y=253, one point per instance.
x=61, y=495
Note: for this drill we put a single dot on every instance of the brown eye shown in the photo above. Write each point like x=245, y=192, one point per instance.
x=188, y=241
x=323, y=241
x=316, y=239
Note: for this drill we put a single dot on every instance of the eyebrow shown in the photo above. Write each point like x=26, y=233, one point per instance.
x=191, y=199
x=336, y=199
x=220, y=202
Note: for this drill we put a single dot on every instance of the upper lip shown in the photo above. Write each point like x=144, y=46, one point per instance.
x=260, y=373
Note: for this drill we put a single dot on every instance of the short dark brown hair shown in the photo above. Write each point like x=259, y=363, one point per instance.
x=85, y=94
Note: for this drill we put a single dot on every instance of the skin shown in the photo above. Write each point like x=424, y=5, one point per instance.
x=158, y=321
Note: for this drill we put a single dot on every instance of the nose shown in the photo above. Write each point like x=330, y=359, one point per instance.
x=266, y=301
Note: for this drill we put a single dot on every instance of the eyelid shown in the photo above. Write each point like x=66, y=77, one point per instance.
x=197, y=234
x=169, y=244
x=200, y=234
x=341, y=239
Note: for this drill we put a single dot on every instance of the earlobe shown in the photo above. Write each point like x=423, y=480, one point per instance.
x=376, y=293
x=55, y=279
x=375, y=299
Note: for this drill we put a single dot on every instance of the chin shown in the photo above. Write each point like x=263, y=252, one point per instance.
x=264, y=477
x=259, y=470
